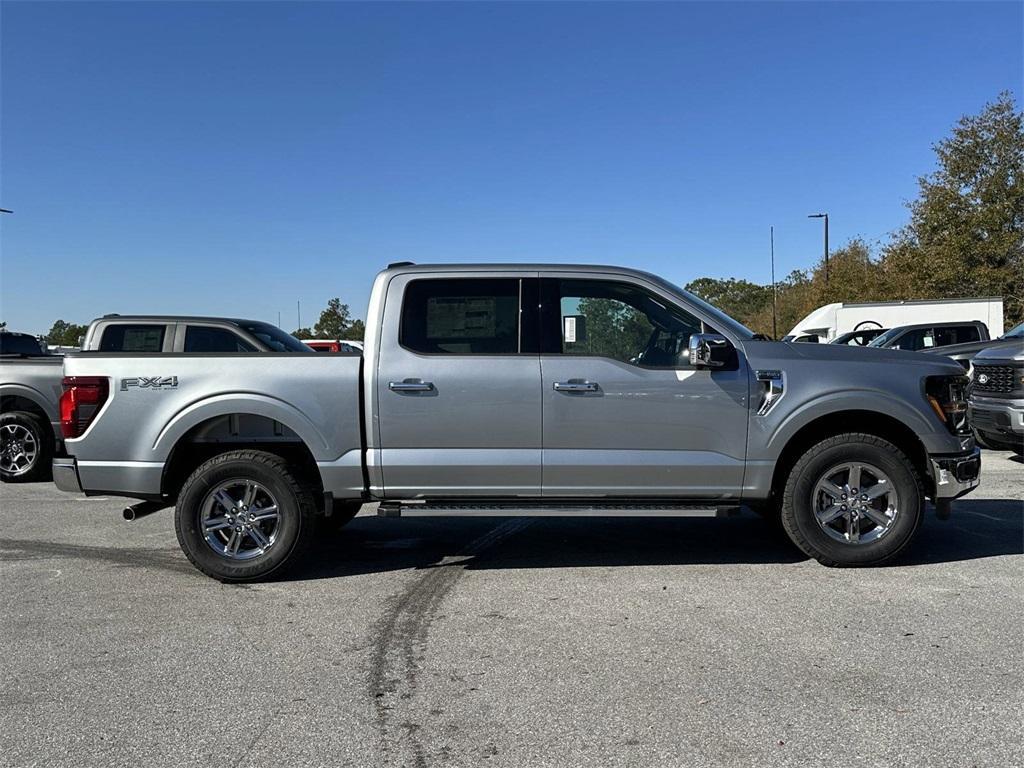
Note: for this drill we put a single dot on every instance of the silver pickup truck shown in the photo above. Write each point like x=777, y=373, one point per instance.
x=30, y=380
x=523, y=389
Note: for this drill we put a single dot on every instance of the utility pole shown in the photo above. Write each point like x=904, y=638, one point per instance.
x=279, y=318
x=825, y=217
x=298, y=312
x=775, y=330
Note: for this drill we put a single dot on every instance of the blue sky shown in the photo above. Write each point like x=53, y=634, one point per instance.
x=234, y=158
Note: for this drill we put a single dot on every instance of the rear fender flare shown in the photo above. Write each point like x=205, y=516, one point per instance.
x=242, y=403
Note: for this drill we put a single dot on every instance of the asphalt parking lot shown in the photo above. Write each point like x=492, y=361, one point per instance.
x=512, y=642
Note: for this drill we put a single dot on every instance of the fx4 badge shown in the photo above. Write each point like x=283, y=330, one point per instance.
x=144, y=382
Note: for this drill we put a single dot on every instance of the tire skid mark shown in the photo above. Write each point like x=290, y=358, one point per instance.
x=400, y=643
x=32, y=549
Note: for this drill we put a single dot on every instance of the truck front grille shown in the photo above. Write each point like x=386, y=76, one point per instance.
x=997, y=378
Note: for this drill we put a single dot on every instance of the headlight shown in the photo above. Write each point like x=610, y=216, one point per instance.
x=948, y=398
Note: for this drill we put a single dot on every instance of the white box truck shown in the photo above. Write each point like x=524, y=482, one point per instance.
x=826, y=323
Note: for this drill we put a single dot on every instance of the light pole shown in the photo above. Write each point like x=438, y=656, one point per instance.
x=775, y=330
x=825, y=217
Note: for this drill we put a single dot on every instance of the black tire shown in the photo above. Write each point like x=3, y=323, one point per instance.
x=39, y=468
x=296, y=508
x=341, y=515
x=798, y=517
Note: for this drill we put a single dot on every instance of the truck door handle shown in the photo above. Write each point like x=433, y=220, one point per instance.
x=575, y=385
x=411, y=385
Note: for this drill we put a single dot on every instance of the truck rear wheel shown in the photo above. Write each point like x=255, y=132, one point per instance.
x=26, y=447
x=853, y=499
x=243, y=516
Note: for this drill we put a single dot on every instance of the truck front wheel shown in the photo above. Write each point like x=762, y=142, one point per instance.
x=853, y=499
x=243, y=516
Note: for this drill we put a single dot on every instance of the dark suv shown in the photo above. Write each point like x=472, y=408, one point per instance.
x=925, y=336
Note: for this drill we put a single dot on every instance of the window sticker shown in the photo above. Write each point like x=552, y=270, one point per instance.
x=461, y=317
x=570, y=330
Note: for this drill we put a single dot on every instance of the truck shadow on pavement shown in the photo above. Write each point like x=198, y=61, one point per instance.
x=978, y=529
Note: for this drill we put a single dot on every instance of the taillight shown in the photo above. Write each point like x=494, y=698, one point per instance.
x=82, y=399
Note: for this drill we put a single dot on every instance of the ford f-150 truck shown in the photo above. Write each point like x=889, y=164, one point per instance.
x=522, y=389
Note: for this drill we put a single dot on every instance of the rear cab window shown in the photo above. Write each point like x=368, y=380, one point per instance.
x=462, y=316
x=140, y=337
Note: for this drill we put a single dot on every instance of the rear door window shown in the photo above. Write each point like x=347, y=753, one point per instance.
x=957, y=334
x=462, y=316
x=205, y=338
x=133, y=338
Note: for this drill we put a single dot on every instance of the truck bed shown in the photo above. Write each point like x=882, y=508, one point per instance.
x=166, y=401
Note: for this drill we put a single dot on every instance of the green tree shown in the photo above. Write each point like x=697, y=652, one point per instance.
x=354, y=332
x=65, y=334
x=740, y=299
x=966, y=230
x=334, y=321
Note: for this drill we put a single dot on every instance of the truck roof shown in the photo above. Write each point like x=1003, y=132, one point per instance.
x=176, y=319
x=520, y=266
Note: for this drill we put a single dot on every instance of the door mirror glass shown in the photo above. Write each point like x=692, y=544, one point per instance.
x=710, y=350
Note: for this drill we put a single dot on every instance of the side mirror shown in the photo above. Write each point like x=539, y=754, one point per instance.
x=710, y=350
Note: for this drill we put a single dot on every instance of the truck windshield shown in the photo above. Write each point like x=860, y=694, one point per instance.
x=1017, y=332
x=880, y=341
x=718, y=318
x=276, y=339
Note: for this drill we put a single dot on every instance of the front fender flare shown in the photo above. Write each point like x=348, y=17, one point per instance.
x=835, y=402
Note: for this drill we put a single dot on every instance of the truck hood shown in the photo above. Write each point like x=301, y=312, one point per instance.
x=975, y=346
x=841, y=353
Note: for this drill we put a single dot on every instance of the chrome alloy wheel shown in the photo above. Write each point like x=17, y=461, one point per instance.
x=855, y=503
x=240, y=519
x=18, y=450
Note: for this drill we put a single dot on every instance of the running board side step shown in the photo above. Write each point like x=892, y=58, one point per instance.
x=554, y=509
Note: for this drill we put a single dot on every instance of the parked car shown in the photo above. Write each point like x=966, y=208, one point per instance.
x=831, y=320
x=965, y=353
x=335, y=346
x=859, y=338
x=926, y=336
x=30, y=385
x=526, y=389
x=23, y=344
x=997, y=397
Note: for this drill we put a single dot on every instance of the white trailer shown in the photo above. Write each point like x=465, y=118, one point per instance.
x=831, y=320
